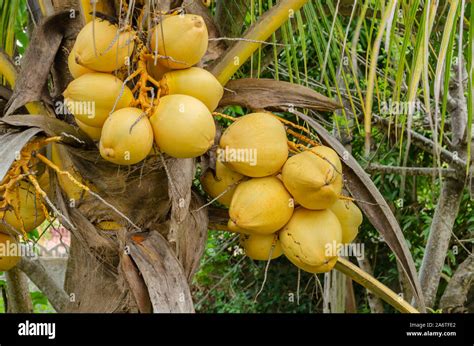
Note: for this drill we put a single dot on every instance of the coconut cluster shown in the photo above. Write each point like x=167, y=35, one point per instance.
x=25, y=214
x=28, y=204
x=108, y=108
x=281, y=204
x=9, y=254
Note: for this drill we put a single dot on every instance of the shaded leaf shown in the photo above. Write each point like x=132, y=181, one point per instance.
x=162, y=273
x=9, y=72
x=136, y=283
x=11, y=144
x=31, y=84
x=51, y=126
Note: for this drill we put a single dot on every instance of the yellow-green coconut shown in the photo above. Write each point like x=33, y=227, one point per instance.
x=261, y=205
x=314, y=177
x=310, y=239
x=350, y=217
x=182, y=40
x=92, y=97
x=215, y=183
x=255, y=145
x=195, y=82
x=183, y=126
x=127, y=137
x=259, y=247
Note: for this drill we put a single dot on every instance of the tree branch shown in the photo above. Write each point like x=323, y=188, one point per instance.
x=41, y=278
x=425, y=144
x=455, y=295
x=457, y=105
x=447, y=208
x=429, y=171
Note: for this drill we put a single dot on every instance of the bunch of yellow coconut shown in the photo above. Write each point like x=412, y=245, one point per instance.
x=9, y=254
x=28, y=216
x=282, y=205
x=180, y=121
x=179, y=117
x=24, y=215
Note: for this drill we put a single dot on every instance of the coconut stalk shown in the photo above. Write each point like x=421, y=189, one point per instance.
x=372, y=284
x=236, y=56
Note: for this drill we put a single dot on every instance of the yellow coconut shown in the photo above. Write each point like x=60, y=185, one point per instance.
x=215, y=183
x=311, y=238
x=350, y=217
x=234, y=228
x=315, y=269
x=183, y=39
x=9, y=252
x=30, y=210
x=314, y=177
x=183, y=126
x=92, y=132
x=76, y=69
x=258, y=247
x=92, y=96
x=110, y=50
x=261, y=205
x=254, y=145
x=127, y=137
x=195, y=82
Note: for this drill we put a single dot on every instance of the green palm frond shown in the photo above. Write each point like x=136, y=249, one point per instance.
x=13, y=22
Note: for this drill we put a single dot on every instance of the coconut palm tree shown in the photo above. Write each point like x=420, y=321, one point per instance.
x=138, y=233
